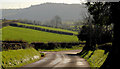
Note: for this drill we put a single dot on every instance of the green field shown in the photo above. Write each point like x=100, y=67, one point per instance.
x=30, y=35
x=50, y=28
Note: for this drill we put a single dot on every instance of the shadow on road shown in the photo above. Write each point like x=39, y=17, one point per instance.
x=72, y=54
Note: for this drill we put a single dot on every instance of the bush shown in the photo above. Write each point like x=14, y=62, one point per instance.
x=14, y=45
x=52, y=45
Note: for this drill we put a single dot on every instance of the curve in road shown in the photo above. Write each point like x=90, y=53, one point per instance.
x=60, y=60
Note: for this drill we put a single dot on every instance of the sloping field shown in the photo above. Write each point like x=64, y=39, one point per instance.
x=95, y=58
x=17, y=58
x=30, y=35
x=50, y=28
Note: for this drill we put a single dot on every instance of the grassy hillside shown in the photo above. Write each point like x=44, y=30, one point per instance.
x=30, y=35
x=95, y=58
x=0, y=59
x=12, y=59
x=50, y=28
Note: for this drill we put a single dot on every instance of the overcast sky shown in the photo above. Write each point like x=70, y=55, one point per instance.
x=26, y=3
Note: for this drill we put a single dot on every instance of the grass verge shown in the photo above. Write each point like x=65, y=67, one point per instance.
x=17, y=58
x=95, y=58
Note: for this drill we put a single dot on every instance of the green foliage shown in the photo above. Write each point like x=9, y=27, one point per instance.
x=94, y=34
x=30, y=35
x=101, y=12
x=0, y=59
x=95, y=58
x=97, y=29
x=42, y=54
x=63, y=49
x=16, y=58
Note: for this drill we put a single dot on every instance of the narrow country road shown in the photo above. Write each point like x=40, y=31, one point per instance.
x=60, y=60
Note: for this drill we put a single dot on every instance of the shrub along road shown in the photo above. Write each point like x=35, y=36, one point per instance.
x=60, y=60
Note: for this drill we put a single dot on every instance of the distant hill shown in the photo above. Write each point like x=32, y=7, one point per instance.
x=46, y=11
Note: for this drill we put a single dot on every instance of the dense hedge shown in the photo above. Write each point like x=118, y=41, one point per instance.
x=14, y=45
x=8, y=22
x=16, y=58
x=50, y=45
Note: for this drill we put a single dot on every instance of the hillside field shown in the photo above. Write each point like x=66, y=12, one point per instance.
x=30, y=35
x=50, y=28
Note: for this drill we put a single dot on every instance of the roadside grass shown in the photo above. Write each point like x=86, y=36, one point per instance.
x=50, y=28
x=62, y=49
x=17, y=58
x=95, y=58
x=0, y=59
x=30, y=35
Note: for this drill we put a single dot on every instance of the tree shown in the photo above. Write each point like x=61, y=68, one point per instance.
x=56, y=21
x=105, y=13
x=101, y=12
x=87, y=34
x=111, y=61
x=101, y=18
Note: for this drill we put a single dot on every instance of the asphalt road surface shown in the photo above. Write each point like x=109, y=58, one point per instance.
x=60, y=60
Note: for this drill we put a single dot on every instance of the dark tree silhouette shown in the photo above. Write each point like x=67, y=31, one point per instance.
x=105, y=14
x=111, y=61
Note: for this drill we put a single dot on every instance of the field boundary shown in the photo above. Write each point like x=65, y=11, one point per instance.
x=41, y=29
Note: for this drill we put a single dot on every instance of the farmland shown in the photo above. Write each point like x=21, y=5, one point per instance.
x=50, y=28
x=30, y=35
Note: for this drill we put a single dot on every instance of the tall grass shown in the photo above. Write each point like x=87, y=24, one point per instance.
x=95, y=58
x=17, y=58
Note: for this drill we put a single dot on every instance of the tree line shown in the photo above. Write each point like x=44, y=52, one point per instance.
x=104, y=15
